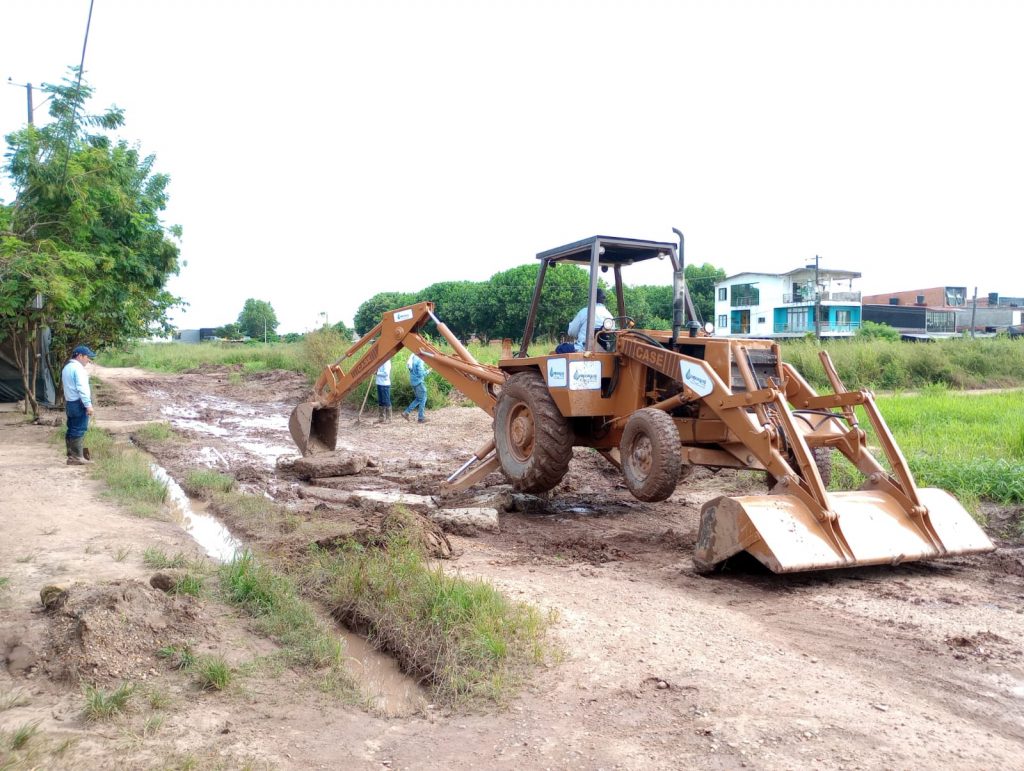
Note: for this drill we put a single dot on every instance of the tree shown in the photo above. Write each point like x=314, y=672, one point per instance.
x=368, y=314
x=228, y=332
x=258, y=320
x=505, y=301
x=701, y=281
x=82, y=247
x=343, y=329
x=454, y=304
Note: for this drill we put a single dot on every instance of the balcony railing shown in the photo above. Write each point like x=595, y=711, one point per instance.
x=849, y=297
x=739, y=329
x=747, y=299
x=827, y=328
x=802, y=297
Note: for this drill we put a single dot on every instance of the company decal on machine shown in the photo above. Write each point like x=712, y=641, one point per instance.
x=696, y=378
x=584, y=375
x=557, y=374
x=403, y=315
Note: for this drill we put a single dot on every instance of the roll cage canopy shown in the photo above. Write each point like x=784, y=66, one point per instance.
x=601, y=253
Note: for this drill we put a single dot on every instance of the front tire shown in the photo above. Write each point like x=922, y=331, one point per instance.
x=651, y=455
x=533, y=439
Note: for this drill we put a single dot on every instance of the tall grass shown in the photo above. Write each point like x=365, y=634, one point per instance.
x=182, y=357
x=896, y=365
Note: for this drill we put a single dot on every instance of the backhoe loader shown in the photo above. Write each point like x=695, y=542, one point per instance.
x=658, y=403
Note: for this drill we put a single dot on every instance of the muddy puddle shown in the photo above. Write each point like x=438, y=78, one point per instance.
x=391, y=692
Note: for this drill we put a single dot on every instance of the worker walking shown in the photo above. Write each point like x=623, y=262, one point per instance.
x=77, y=403
x=417, y=375
x=384, y=392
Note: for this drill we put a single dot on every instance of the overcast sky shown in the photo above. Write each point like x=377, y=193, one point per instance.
x=320, y=152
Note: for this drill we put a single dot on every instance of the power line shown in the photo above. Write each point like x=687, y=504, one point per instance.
x=78, y=93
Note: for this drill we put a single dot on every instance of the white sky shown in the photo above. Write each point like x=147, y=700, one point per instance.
x=320, y=152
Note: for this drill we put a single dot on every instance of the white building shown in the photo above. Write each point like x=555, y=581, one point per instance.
x=782, y=304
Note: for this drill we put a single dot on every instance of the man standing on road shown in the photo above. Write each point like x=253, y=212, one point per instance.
x=417, y=374
x=77, y=403
x=384, y=392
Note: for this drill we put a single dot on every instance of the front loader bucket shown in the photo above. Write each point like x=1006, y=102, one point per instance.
x=870, y=528
x=314, y=429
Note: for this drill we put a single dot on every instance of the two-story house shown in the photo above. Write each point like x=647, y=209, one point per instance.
x=782, y=304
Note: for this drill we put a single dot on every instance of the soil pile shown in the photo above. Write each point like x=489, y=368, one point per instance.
x=110, y=632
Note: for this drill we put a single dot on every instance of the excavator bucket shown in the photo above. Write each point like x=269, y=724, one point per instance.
x=314, y=429
x=870, y=528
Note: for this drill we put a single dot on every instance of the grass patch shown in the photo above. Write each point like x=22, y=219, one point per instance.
x=212, y=672
x=158, y=559
x=21, y=735
x=5, y=583
x=970, y=445
x=101, y=705
x=127, y=474
x=203, y=482
x=156, y=432
x=12, y=699
x=190, y=584
x=280, y=613
x=180, y=656
x=462, y=634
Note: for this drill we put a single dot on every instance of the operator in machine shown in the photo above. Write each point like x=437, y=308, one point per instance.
x=578, y=326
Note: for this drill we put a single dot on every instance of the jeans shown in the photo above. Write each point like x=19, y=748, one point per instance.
x=384, y=395
x=78, y=419
x=419, y=400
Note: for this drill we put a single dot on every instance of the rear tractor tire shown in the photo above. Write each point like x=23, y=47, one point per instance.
x=533, y=439
x=651, y=456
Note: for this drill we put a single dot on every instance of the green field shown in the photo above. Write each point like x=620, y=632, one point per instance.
x=969, y=444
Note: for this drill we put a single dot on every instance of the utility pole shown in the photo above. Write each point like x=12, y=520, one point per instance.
x=28, y=97
x=974, y=309
x=817, y=298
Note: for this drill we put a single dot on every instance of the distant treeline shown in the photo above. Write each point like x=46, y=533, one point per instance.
x=498, y=307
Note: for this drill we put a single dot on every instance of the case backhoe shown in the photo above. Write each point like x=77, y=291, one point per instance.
x=658, y=403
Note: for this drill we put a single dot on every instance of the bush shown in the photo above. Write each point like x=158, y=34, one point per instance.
x=872, y=330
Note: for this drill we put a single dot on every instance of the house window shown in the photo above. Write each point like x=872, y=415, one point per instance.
x=723, y=321
x=796, y=320
x=842, y=318
x=745, y=294
x=723, y=293
x=760, y=319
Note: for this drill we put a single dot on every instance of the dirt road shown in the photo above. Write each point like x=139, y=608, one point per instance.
x=882, y=667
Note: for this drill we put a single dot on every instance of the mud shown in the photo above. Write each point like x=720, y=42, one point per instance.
x=915, y=665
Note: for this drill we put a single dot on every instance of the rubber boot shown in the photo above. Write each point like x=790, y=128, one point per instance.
x=77, y=457
x=387, y=414
x=67, y=446
x=380, y=415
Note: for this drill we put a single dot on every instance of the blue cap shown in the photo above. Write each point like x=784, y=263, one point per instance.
x=84, y=349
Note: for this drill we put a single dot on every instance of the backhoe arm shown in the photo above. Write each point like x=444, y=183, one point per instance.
x=314, y=424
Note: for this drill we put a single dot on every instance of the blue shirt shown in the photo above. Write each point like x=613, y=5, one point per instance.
x=417, y=370
x=75, y=381
x=578, y=326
